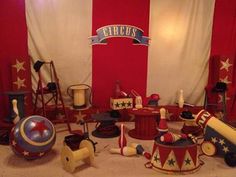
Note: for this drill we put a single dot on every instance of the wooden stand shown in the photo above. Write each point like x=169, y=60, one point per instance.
x=55, y=100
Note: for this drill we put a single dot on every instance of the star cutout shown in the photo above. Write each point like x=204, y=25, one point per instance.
x=222, y=141
x=41, y=154
x=129, y=104
x=13, y=143
x=225, y=149
x=225, y=65
x=171, y=162
x=214, y=140
x=19, y=66
x=25, y=153
x=123, y=104
x=225, y=80
x=39, y=126
x=221, y=98
x=117, y=105
x=132, y=117
x=156, y=158
x=187, y=161
x=79, y=117
x=20, y=83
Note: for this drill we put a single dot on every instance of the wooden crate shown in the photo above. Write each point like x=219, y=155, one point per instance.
x=121, y=103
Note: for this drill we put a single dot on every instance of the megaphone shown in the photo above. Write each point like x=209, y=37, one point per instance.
x=81, y=95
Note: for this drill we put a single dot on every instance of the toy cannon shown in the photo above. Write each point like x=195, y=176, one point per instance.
x=219, y=137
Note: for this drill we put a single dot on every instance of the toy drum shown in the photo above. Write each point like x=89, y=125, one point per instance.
x=178, y=158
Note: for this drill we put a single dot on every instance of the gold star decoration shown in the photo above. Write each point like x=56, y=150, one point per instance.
x=225, y=80
x=222, y=141
x=225, y=149
x=225, y=65
x=20, y=83
x=214, y=140
x=79, y=117
x=19, y=66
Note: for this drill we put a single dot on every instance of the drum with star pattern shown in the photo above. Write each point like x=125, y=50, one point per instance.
x=32, y=137
x=181, y=157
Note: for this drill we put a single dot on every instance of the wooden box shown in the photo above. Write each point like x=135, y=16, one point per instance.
x=121, y=103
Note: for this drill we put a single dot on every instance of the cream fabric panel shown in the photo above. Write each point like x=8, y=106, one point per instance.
x=180, y=32
x=58, y=30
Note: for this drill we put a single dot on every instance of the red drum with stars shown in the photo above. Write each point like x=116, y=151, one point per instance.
x=181, y=157
x=33, y=137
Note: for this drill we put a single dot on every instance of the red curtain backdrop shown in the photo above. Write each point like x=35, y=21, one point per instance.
x=224, y=46
x=13, y=46
x=119, y=59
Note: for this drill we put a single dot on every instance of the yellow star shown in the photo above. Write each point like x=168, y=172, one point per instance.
x=225, y=80
x=222, y=141
x=19, y=66
x=79, y=117
x=225, y=65
x=214, y=140
x=225, y=149
x=20, y=83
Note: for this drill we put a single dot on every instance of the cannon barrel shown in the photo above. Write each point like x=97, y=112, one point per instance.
x=204, y=119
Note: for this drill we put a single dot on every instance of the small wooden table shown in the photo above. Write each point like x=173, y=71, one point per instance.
x=145, y=123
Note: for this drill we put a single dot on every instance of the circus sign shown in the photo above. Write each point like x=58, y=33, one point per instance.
x=127, y=31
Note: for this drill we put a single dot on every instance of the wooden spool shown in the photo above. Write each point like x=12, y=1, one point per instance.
x=70, y=158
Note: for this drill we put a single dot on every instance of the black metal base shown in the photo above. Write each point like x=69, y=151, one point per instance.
x=4, y=137
x=105, y=130
x=107, y=127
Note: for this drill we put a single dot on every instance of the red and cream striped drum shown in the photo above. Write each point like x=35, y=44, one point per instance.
x=178, y=158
